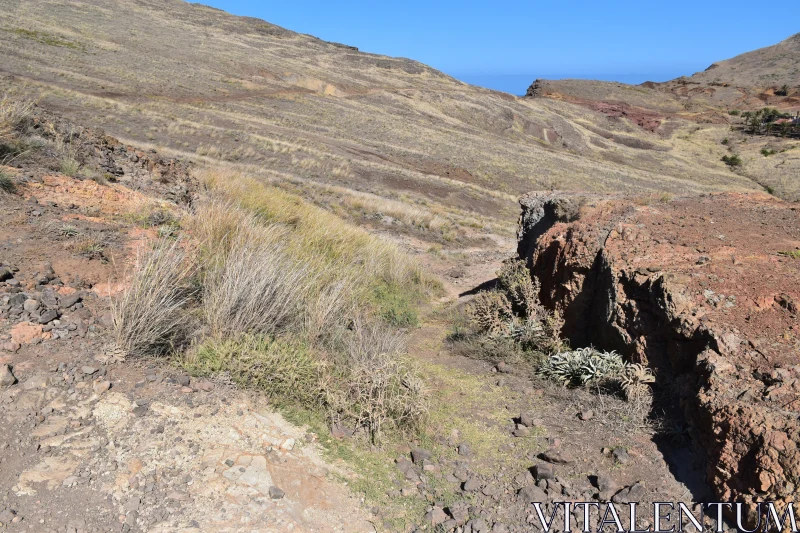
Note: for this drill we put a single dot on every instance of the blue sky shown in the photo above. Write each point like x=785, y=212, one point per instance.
x=505, y=43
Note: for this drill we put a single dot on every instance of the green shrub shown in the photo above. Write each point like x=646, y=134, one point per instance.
x=590, y=367
x=734, y=112
x=726, y=141
x=766, y=153
x=285, y=369
x=732, y=160
x=69, y=166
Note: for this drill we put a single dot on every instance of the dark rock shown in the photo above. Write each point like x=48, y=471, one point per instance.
x=620, y=455
x=531, y=494
x=70, y=300
x=420, y=454
x=556, y=457
x=544, y=471
x=48, y=316
x=634, y=493
x=275, y=493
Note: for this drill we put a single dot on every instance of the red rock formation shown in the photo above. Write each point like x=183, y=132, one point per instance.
x=705, y=291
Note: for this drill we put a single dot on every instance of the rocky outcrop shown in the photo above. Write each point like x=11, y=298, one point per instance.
x=705, y=290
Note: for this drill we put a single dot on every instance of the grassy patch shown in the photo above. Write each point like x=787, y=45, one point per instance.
x=284, y=369
x=794, y=254
x=47, y=38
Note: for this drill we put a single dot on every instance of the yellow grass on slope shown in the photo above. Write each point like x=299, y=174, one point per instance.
x=342, y=256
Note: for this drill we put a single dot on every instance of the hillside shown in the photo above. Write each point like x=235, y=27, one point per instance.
x=208, y=85
x=772, y=66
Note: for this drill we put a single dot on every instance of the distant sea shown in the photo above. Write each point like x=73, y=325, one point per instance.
x=518, y=83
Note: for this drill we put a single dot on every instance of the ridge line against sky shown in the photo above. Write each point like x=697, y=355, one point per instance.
x=506, y=49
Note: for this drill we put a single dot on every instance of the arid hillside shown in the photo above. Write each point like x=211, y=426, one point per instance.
x=206, y=84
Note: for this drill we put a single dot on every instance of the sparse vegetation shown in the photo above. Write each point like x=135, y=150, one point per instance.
x=46, y=38
x=726, y=141
x=7, y=185
x=508, y=322
x=732, y=160
x=794, y=254
x=592, y=368
x=767, y=152
x=149, y=316
x=734, y=112
x=268, y=287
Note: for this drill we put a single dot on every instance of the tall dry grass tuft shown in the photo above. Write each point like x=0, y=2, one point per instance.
x=289, y=299
x=258, y=288
x=150, y=315
x=331, y=241
x=13, y=113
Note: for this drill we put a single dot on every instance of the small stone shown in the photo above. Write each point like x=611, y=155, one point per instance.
x=503, y=368
x=287, y=445
x=48, y=316
x=275, y=493
x=464, y=449
x=532, y=494
x=418, y=455
x=100, y=387
x=472, y=484
x=544, y=471
x=184, y=380
x=31, y=305
x=88, y=370
x=7, y=516
x=556, y=457
x=620, y=456
x=7, y=378
x=586, y=415
x=204, y=385
x=526, y=420
x=521, y=431
x=11, y=346
x=435, y=516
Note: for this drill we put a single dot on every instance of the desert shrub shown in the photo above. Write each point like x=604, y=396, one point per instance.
x=732, y=160
x=726, y=141
x=734, y=112
x=69, y=166
x=395, y=304
x=606, y=370
x=510, y=320
x=766, y=152
x=373, y=385
x=150, y=314
x=7, y=185
x=286, y=369
x=14, y=113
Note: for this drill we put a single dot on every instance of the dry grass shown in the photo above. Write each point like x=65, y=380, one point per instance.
x=150, y=315
x=287, y=301
x=258, y=288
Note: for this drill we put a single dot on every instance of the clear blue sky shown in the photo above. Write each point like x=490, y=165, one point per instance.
x=505, y=43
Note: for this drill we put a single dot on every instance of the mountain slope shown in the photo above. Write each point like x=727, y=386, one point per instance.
x=772, y=66
x=199, y=81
